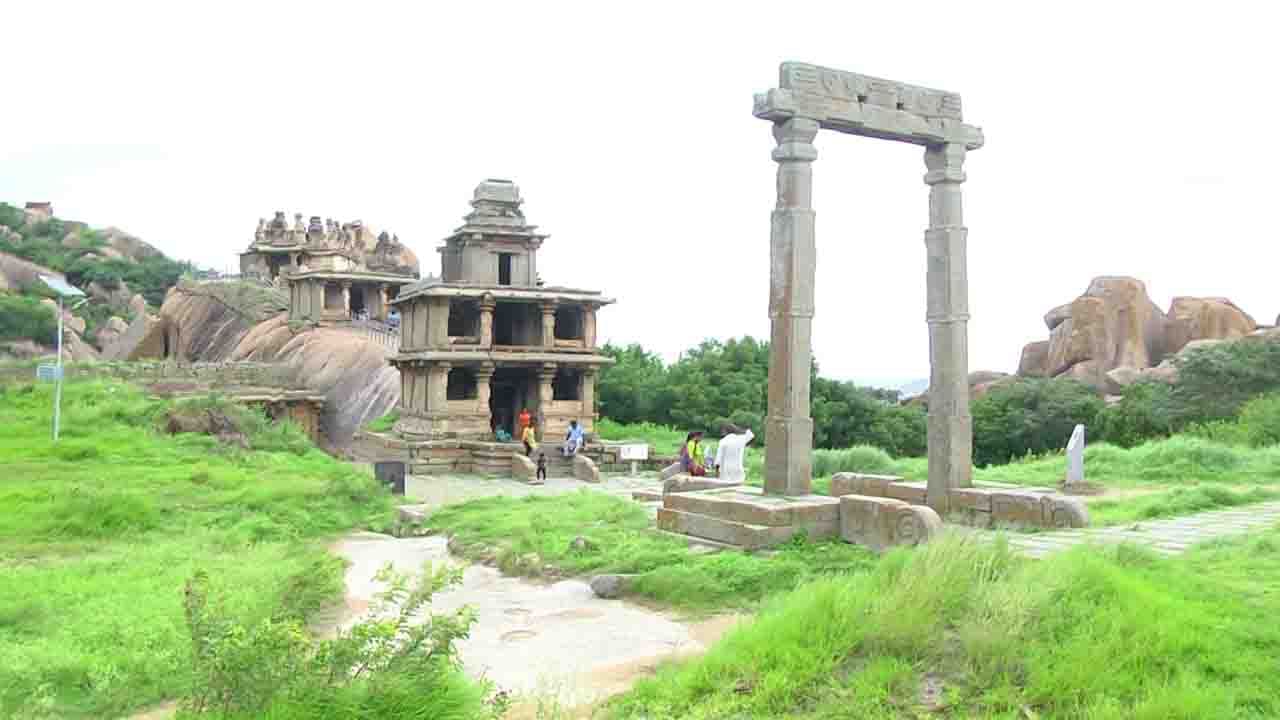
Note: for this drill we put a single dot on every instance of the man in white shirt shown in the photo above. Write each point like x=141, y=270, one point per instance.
x=731, y=454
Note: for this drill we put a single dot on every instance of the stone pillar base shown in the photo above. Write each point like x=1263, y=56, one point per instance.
x=748, y=518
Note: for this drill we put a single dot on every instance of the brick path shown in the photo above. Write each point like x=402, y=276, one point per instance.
x=1167, y=537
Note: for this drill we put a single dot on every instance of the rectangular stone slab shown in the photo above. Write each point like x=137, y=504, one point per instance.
x=744, y=535
x=750, y=505
x=913, y=493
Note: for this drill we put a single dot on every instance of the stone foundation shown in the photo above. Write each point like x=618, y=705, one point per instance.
x=456, y=456
x=979, y=507
x=746, y=517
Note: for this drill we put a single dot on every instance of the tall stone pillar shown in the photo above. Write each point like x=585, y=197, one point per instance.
x=546, y=375
x=588, y=396
x=438, y=387
x=589, y=326
x=549, y=324
x=484, y=374
x=422, y=387
x=487, y=306
x=346, y=298
x=788, y=427
x=950, y=427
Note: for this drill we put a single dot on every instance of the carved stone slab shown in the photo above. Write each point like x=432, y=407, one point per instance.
x=982, y=507
x=866, y=105
x=881, y=523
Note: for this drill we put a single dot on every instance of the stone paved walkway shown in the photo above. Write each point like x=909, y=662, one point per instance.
x=1167, y=537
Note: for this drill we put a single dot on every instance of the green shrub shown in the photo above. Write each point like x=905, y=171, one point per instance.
x=1144, y=413
x=1260, y=420
x=26, y=317
x=1215, y=382
x=859, y=459
x=393, y=665
x=384, y=423
x=1030, y=416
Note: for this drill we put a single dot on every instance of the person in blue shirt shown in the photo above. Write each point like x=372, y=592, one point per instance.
x=573, y=440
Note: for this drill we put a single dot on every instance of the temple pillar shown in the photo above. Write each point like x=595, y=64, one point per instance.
x=346, y=298
x=421, y=391
x=484, y=374
x=548, y=324
x=788, y=426
x=589, y=326
x=487, y=305
x=384, y=300
x=438, y=387
x=546, y=375
x=436, y=322
x=950, y=427
x=317, y=298
x=587, y=393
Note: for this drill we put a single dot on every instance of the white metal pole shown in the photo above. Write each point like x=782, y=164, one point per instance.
x=57, y=382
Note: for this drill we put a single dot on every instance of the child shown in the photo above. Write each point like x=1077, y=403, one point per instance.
x=542, y=468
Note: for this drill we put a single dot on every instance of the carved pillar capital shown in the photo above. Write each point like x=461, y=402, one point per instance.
x=945, y=163
x=795, y=140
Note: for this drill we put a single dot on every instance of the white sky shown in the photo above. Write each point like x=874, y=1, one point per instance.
x=1122, y=138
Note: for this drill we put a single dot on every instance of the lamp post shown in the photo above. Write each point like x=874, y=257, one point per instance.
x=62, y=290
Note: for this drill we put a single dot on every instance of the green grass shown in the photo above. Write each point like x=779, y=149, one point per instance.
x=99, y=532
x=525, y=536
x=1085, y=634
x=384, y=423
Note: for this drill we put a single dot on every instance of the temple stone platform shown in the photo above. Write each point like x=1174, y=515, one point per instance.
x=983, y=507
x=746, y=517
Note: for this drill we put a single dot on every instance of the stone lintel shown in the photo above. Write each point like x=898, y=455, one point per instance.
x=855, y=118
x=861, y=484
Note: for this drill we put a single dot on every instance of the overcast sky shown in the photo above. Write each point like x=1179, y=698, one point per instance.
x=1122, y=138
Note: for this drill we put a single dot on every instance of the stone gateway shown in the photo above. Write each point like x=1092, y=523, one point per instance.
x=810, y=98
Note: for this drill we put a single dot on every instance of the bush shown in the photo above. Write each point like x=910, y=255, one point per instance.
x=1260, y=420
x=1216, y=381
x=1030, y=416
x=393, y=665
x=1144, y=413
x=25, y=317
x=859, y=459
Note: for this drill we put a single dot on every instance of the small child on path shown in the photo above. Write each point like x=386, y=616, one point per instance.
x=542, y=469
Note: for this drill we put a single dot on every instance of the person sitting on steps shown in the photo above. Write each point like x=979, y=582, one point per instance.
x=691, y=455
x=573, y=440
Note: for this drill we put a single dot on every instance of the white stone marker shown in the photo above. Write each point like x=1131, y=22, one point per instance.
x=1075, y=456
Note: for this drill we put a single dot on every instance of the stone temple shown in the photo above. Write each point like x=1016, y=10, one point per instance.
x=334, y=273
x=488, y=339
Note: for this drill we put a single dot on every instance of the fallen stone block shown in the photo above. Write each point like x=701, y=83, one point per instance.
x=880, y=523
x=584, y=469
x=913, y=493
x=671, y=470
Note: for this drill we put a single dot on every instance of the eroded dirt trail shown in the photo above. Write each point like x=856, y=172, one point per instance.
x=554, y=641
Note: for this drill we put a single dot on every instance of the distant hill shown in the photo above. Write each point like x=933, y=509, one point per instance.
x=123, y=275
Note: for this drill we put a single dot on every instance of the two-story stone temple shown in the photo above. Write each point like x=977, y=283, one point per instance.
x=488, y=339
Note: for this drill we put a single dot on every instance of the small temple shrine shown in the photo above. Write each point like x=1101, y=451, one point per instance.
x=333, y=272
x=487, y=339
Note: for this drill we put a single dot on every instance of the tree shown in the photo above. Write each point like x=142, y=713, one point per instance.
x=1030, y=416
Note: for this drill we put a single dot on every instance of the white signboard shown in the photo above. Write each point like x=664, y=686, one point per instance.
x=47, y=372
x=635, y=452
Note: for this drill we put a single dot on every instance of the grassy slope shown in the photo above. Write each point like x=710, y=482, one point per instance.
x=98, y=534
x=1179, y=475
x=526, y=535
x=1087, y=634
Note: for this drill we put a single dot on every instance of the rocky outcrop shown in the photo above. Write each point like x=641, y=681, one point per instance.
x=1114, y=335
x=241, y=321
x=17, y=274
x=143, y=339
x=1192, y=319
x=110, y=332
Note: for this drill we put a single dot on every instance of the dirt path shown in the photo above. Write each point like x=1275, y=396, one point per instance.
x=554, y=643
